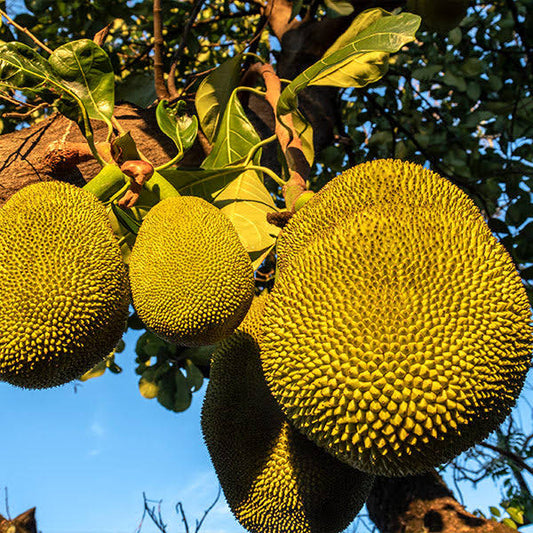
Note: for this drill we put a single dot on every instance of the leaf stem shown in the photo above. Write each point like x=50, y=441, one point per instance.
x=253, y=151
x=268, y=172
x=173, y=161
x=107, y=182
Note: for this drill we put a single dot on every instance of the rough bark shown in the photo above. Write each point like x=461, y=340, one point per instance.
x=23, y=523
x=423, y=504
x=22, y=153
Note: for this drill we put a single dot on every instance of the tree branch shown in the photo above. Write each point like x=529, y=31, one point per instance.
x=290, y=142
x=179, y=51
x=516, y=459
x=26, y=32
x=159, y=74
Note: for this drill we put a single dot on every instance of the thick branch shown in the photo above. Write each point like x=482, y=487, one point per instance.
x=288, y=139
x=415, y=504
x=159, y=74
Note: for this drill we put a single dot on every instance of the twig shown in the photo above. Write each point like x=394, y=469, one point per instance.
x=516, y=459
x=180, y=510
x=26, y=113
x=206, y=512
x=150, y=511
x=7, y=503
x=179, y=507
x=25, y=31
x=13, y=100
x=177, y=54
x=159, y=75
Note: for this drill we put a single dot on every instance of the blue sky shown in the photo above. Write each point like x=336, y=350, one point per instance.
x=84, y=458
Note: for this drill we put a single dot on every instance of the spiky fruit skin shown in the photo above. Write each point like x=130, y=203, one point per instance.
x=439, y=15
x=274, y=479
x=191, y=278
x=64, y=286
x=402, y=335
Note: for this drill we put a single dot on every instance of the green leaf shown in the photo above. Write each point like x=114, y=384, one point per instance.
x=498, y=226
x=510, y=523
x=194, y=376
x=516, y=514
x=494, y=511
x=338, y=8
x=214, y=93
x=296, y=7
x=427, y=73
x=358, y=57
x=246, y=202
x=199, y=355
x=95, y=372
x=149, y=345
x=23, y=68
x=138, y=89
x=166, y=394
x=183, y=396
x=527, y=273
x=120, y=346
x=180, y=127
x=200, y=182
x=235, y=136
x=86, y=70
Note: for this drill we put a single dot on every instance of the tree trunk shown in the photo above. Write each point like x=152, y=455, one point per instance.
x=423, y=504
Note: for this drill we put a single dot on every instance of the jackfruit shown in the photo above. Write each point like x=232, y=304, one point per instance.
x=400, y=334
x=439, y=15
x=274, y=479
x=191, y=278
x=64, y=287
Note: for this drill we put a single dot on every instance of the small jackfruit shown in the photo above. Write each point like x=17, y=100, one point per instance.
x=191, y=278
x=274, y=479
x=64, y=287
x=398, y=333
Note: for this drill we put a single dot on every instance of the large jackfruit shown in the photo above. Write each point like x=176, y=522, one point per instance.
x=399, y=335
x=274, y=479
x=64, y=291
x=191, y=278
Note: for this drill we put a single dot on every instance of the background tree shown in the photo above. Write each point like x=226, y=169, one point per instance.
x=458, y=101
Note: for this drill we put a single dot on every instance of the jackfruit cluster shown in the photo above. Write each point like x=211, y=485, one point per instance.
x=191, y=278
x=275, y=480
x=398, y=333
x=64, y=287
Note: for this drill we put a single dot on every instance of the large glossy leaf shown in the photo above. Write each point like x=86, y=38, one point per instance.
x=200, y=182
x=242, y=197
x=214, y=93
x=246, y=202
x=176, y=124
x=234, y=138
x=24, y=69
x=358, y=57
x=86, y=70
